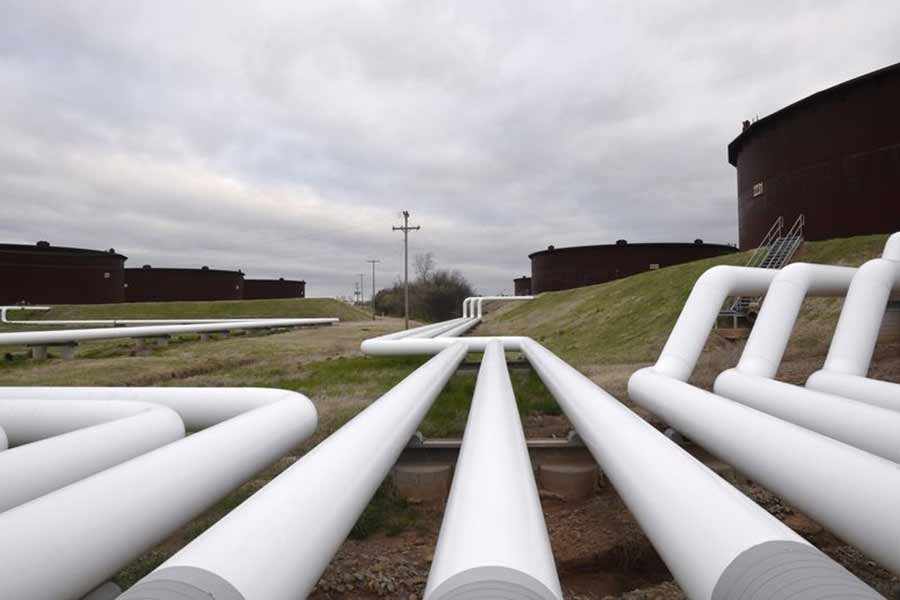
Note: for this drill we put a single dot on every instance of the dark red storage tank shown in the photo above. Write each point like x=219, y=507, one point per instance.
x=833, y=157
x=149, y=284
x=522, y=286
x=268, y=289
x=45, y=274
x=565, y=268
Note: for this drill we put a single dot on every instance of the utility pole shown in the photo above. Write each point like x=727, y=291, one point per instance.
x=362, y=289
x=373, y=263
x=406, y=229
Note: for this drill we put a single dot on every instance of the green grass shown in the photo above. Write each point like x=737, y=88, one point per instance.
x=628, y=320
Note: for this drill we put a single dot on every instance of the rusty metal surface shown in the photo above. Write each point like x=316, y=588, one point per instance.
x=834, y=157
x=269, y=289
x=566, y=268
x=167, y=285
x=45, y=274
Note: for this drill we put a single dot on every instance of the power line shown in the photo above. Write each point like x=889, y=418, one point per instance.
x=406, y=228
x=373, y=263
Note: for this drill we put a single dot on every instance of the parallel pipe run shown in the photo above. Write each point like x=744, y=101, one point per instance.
x=418, y=347
x=86, y=531
x=111, y=322
x=685, y=344
x=493, y=540
x=253, y=553
x=853, y=344
x=867, y=427
x=34, y=338
x=707, y=532
x=851, y=492
x=65, y=442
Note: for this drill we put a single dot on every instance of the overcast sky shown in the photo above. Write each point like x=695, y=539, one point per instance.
x=284, y=138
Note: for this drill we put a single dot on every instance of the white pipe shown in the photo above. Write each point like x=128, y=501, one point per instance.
x=375, y=347
x=198, y=407
x=459, y=329
x=851, y=492
x=85, y=532
x=414, y=332
x=440, y=329
x=855, y=338
x=479, y=301
x=276, y=545
x=106, y=591
x=68, y=441
x=113, y=322
x=772, y=329
x=685, y=344
x=36, y=338
x=870, y=428
x=493, y=540
x=705, y=530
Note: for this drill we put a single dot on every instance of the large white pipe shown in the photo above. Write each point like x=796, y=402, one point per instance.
x=851, y=492
x=376, y=347
x=493, y=540
x=276, y=545
x=856, y=335
x=459, y=329
x=772, y=329
x=479, y=302
x=685, y=344
x=421, y=331
x=36, y=338
x=85, y=532
x=440, y=329
x=198, y=407
x=68, y=441
x=707, y=532
x=870, y=428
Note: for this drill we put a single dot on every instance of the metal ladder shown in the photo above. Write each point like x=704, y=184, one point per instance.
x=775, y=250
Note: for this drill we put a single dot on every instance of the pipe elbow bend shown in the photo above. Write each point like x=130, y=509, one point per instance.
x=636, y=378
x=892, y=248
x=715, y=275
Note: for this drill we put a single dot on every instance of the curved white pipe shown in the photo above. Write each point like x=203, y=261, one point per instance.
x=276, y=545
x=680, y=504
x=493, y=540
x=855, y=338
x=863, y=490
x=685, y=344
x=772, y=329
x=34, y=338
x=68, y=441
x=198, y=407
x=87, y=530
x=414, y=347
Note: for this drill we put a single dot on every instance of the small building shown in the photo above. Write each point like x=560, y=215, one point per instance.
x=269, y=289
x=522, y=286
x=565, y=268
x=149, y=284
x=45, y=274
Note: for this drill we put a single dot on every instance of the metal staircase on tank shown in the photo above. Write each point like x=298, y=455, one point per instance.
x=775, y=250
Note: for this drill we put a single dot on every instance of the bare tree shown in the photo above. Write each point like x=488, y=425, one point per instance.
x=424, y=265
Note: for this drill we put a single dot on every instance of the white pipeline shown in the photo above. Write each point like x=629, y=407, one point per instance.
x=493, y=540
x=849, y=491
x=707, y=532
x=110, y=322
x=83, y=533
x=853, y=344
x=415, y=347
x=37, y=338
x=61, y=442
x=276, y=545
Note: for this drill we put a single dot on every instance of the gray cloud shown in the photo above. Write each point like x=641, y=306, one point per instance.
x=284, y=138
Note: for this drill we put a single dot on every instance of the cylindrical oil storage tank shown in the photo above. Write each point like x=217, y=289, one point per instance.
x=149, y=284
x=45, y=274
x=565, y=268
x=270, y=289
x=522, y=286
x=833, y=157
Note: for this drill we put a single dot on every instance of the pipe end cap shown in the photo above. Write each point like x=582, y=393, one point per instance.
x=182, y=583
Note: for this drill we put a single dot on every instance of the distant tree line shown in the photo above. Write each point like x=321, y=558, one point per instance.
x=434, y=294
